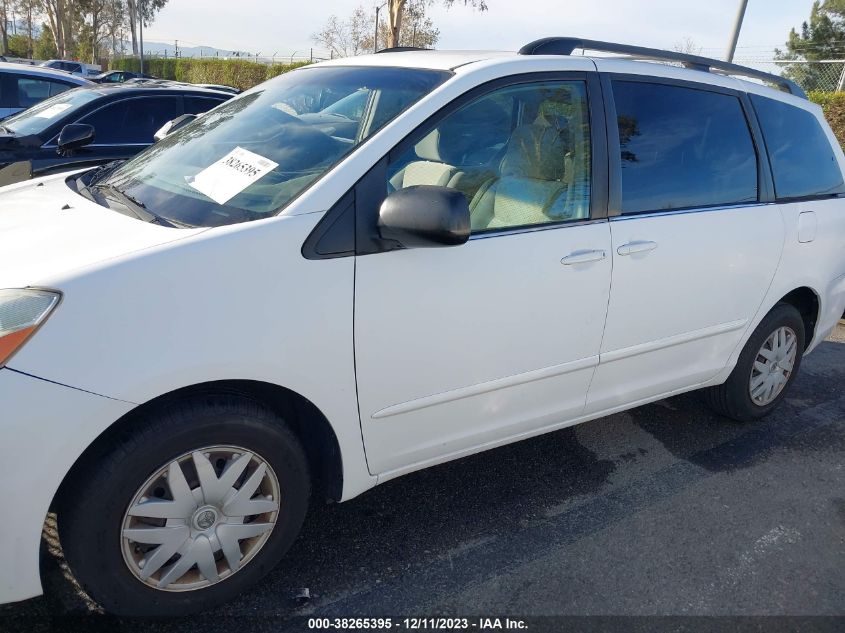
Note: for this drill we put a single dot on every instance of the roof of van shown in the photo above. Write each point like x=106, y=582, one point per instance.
x=460, y=61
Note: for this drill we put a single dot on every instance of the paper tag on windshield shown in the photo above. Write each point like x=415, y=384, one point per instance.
x=237, y=170
x=53, y=110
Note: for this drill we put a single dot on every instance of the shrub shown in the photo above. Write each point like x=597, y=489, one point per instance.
x=833, y=104
x=239, y=73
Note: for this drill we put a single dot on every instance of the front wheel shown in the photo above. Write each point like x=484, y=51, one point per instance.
x=765, y=369
x=192, y=507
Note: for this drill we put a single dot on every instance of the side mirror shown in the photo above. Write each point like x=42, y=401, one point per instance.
x=425, y=216
x=174, y=124
x=75, y=135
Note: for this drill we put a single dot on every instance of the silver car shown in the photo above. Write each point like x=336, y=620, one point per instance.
x=22, y=86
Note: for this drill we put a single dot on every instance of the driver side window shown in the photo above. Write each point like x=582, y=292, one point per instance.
x=520, y=155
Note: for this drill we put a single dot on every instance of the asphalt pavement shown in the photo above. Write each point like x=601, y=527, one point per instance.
x=662, y=510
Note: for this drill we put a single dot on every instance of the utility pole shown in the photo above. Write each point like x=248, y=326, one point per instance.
x=176, y=48
x=141, y=31
x=375, y=37
x=740, y=16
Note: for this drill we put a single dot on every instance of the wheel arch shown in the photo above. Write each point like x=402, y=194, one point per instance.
x=808, y=302
x=305, y=419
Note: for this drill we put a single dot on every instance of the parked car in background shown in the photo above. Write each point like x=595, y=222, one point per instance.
x=147, y=80
x=88, y=126
x=74, y=68
x=24, y=86
x=118, y=76
x=265, y=311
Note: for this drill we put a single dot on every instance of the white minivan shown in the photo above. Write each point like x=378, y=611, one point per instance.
x=268, y=308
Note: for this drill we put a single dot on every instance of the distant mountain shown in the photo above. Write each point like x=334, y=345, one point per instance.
x=162, y=48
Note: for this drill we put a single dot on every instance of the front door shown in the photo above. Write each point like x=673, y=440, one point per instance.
x=458, y=349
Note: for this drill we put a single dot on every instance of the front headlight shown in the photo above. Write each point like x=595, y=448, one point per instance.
x=21, y=313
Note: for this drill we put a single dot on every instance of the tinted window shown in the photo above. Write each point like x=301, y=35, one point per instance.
x=682, y=148
x=802, y=159
x=198, y=105
x=28, y=91
x=520, y=155
x=133, y=120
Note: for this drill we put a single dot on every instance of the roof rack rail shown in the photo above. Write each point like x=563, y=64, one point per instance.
x=401, y=49
x=565, y=46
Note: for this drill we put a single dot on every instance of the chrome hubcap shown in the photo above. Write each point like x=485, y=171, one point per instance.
x=773, y=366
x=200, y=518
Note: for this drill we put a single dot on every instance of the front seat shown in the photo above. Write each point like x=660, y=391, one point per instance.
x=457, y=154
x=531, y=186
x=430, y=169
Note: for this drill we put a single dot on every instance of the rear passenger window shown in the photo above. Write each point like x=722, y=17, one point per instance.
x=198, y=105
x=133, y=121
x=520, y=155
x=682, y=148
x=803, y=162
x=30, y=90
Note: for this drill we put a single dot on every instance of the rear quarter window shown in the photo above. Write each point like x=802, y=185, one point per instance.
x=803, y=161
x=198, y=105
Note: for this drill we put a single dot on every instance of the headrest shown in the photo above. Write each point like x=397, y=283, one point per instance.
x=429, y=147
x=535, y=151
x=483, y=123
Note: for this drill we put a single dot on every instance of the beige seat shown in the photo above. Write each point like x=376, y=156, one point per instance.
x=430, y=169
x=457, y=154
x=531, y=187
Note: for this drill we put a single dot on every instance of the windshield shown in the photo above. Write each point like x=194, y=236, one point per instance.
x=42, y=115
x=352, y=106
x=249, y=157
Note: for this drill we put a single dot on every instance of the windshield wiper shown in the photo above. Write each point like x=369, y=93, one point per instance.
x=135, y=206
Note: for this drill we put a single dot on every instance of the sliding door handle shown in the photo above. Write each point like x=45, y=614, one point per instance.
x=636, y=247
x=583, y=257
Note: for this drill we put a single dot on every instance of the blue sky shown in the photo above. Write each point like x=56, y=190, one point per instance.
x=285, y=26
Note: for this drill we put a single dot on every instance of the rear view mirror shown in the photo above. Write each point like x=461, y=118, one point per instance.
x=174, y=124
x=74, y=136
x=425, y=216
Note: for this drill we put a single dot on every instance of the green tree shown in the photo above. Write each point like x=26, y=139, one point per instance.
x=45, y=45
x=150, y=7
x=18, y=46
x=6, y=17
x=821, y=37
x=28, y=10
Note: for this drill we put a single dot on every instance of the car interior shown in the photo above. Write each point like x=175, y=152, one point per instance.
x=519, y=155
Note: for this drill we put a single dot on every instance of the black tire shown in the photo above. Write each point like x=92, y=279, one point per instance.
x=733, y=399
x=92, y=508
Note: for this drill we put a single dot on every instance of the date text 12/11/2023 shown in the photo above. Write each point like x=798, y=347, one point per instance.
x=414, y=624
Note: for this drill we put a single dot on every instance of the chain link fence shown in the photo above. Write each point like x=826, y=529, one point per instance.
x=824, y=76
x=310, y=55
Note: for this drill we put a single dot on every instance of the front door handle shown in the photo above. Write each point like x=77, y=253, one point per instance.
x=583, y=257
x=636, y=247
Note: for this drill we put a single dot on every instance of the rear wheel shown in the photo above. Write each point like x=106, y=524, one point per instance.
x=765, y=369
x=190, y=509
